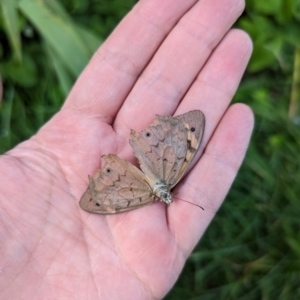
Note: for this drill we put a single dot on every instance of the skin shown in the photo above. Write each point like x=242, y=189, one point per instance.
x=166, y=57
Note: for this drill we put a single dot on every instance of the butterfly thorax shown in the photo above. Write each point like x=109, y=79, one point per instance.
x=162, y=191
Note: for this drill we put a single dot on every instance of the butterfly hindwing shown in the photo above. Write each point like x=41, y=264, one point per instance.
x=119, y=186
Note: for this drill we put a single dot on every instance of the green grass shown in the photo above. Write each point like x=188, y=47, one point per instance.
x=252, y=248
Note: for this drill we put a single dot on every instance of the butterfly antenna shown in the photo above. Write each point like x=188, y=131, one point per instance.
x=190, y=203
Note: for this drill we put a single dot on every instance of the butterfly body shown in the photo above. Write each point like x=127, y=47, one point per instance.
x=164, y=151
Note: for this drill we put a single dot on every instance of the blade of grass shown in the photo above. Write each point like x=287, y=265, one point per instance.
x=49, y=18
x=6, y=111
x=295, y=93
x=9, y=11
x=64, y=77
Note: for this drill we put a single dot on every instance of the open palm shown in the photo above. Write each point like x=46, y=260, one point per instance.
x=166, y=57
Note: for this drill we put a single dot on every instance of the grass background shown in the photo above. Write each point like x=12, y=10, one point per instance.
x=252, y=251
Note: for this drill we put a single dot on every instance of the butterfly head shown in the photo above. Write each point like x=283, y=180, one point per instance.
x=166, y=197
x=162, y=191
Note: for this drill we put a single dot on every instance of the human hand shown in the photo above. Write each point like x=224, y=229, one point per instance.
x=164, y=58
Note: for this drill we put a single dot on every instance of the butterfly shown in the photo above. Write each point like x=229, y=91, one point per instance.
x=164, y=151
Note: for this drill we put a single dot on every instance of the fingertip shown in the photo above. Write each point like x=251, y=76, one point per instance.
x=242, y=38
x=245, y=116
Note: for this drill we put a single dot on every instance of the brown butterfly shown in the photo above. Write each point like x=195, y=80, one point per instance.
x=164, y=150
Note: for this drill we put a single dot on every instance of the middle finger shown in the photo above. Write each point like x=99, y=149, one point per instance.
x=177, y=63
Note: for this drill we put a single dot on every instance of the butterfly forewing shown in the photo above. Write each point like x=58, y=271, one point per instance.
x=160, y=149
x=166, y=148
x=194, y=124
